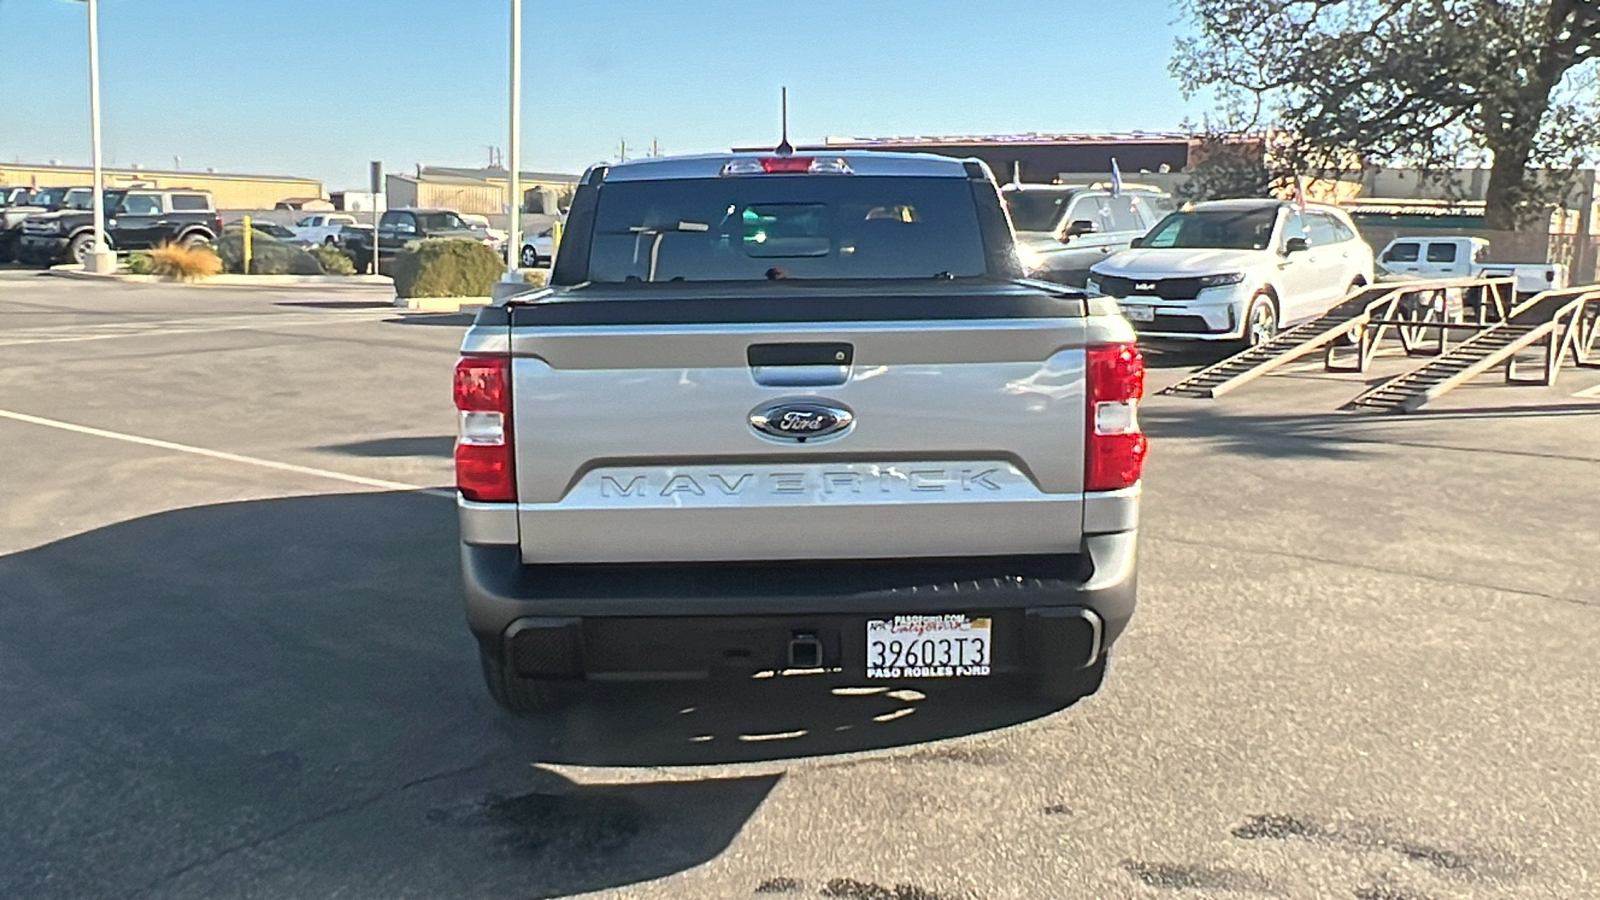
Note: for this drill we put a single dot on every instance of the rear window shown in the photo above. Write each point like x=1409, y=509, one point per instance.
x=782, y=227
x=190, y=203
x=1036, y=210
x=1441, y=253
x=1406, y=252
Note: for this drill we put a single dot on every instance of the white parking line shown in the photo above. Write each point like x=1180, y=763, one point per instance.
x=230, y=457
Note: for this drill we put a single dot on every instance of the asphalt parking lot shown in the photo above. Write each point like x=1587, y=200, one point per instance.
x=233, y=662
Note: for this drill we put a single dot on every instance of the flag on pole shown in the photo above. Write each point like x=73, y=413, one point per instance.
x=1116, y=178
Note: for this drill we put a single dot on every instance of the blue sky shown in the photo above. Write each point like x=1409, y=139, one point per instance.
x=318, y=87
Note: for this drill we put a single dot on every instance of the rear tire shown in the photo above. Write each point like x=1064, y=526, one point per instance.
x=530, y=258
x=522, y=696
x=194, y=239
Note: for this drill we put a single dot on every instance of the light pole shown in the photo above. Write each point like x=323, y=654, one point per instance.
x=101, y=261
x=514, y=243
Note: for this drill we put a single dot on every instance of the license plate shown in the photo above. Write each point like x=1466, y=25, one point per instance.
x=1139, y=313
x=937, y=646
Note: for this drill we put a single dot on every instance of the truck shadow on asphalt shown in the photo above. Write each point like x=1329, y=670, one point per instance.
x=283, y=693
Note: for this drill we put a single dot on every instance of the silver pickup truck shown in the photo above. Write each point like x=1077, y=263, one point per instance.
x=782, y=413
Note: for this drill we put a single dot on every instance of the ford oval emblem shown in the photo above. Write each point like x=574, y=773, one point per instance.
x=801, y=420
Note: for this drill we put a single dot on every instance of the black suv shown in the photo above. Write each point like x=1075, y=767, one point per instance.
x=136, y=219
x=18, y=203
x=399, y=227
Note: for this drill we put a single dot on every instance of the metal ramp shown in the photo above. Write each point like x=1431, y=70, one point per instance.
x=1351, y=315
x=1566, y=321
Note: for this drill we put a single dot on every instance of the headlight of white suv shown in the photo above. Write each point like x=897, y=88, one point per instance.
x=1211, y=281
x=1092, y=286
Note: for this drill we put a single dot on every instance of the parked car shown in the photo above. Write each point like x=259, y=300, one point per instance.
x=929, y=469
x=1463, y=257
x=348, y=233
x=538, y=249
x=21, y=202
x=398, y=227
x=282, y=233
x=136, y=219
x=1236, y=270
x=322, y=228
x=481, y=223
x=1063, y=230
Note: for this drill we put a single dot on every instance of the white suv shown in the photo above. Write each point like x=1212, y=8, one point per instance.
x=1235, y=270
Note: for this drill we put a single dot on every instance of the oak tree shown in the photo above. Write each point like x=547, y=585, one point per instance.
x=1429, y=83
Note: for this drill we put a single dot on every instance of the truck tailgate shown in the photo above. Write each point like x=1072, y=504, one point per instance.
x=638, y=440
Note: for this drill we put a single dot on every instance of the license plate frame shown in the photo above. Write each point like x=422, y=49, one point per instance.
x=941, y=645
x=1138, y=312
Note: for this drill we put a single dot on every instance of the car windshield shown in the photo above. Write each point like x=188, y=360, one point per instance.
x=57, y=197
x=1218, y=229
x=1036, y=210
x=786, y=226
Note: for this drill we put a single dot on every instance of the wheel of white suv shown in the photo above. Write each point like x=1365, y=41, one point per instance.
x=530, y=257
x=1261, y=322
x=523, y=696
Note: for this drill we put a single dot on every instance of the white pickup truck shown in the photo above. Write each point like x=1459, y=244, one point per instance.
x=1462, y=257
x=322, y=228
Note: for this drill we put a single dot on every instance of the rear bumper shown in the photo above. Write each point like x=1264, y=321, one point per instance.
x=1050, y=614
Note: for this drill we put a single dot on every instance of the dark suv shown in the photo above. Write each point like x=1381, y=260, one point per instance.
x=136, y=219
x=399, y=227
x=18, y=203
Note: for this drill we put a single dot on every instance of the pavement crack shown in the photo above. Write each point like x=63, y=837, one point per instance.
x=319, y=818
x=1356, y=564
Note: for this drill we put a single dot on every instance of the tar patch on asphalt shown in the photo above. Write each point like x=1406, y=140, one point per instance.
x=592, y=823
x=1190, y=876
x=1367, y=836
x=1376, y=892
x=850, y=889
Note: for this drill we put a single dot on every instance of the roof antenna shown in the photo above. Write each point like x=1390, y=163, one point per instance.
x=785, y=148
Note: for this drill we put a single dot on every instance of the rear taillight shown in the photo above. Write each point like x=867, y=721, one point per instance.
x=484, y=469
x=1115, y=453
x=778, y=165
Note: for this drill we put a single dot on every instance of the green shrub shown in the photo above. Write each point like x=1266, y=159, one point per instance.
x=333, y=260
x=139, y=263
x=267, y=256
x=446, y=267
x=536, y=277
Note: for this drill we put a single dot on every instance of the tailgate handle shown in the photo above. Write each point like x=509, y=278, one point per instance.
x=813, y=364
